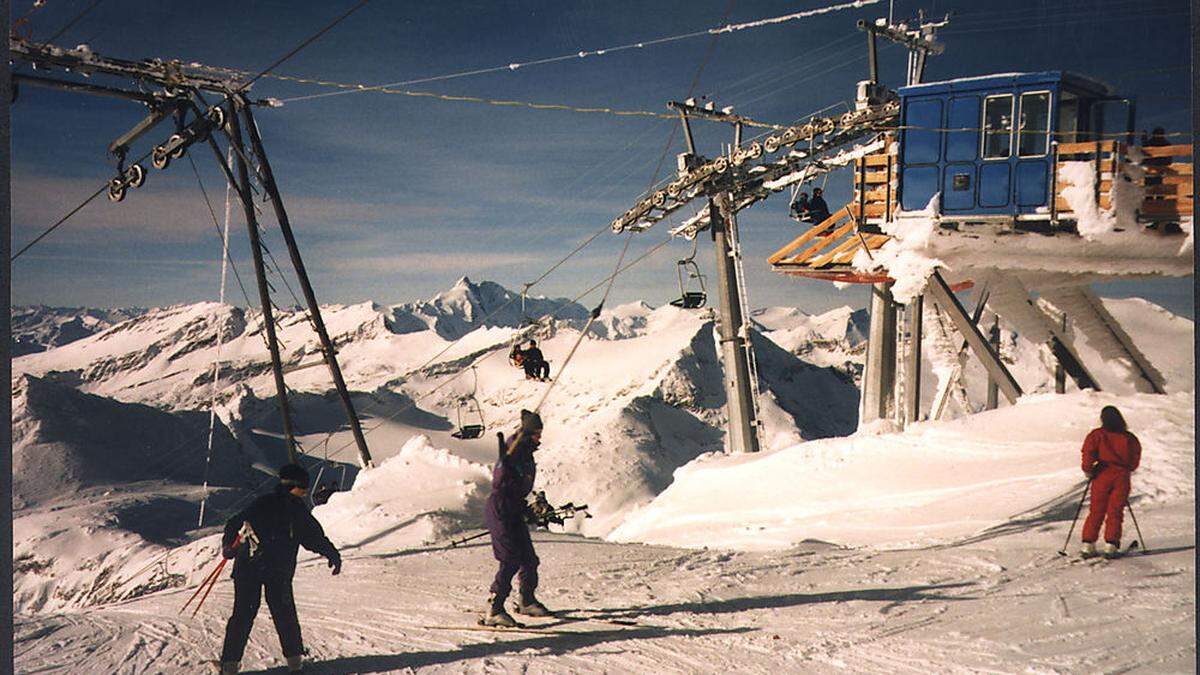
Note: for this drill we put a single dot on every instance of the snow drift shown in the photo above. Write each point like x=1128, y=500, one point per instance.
x=934, y=483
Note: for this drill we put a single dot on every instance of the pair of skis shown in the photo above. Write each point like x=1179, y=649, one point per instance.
x=1121, y=553
x=545, y=629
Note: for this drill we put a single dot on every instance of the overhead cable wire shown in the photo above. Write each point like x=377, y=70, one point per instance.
x=712, y=45
x=595, y=314
x=727, y=28
x=60, y=221
x=217, y=225
x=72, y=22
x=241, y=87
x=298, y=48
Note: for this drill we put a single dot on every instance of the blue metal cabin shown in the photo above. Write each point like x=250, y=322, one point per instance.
x=957, y=138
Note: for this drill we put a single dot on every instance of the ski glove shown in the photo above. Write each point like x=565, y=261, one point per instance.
x=335, y=562
x=229, y=552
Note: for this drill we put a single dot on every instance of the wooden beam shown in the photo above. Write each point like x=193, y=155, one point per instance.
x=876, y=160
x=1086, y=147
x=816, y=248
x=1167, y=207
x=878, y=194
x=808, y=236
x=1166, y=150
x=850, y=243
x=873, y=243
x=941, y=294
x=1175, y=180
x=1170, y=189
x=1177, y=168
x=1064, y=207
x=875, y=177
x=874, y=209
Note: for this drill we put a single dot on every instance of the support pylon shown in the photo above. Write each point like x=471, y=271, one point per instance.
x=743, y=426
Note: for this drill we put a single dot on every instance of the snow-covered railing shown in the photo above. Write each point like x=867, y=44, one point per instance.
x=1147, y=183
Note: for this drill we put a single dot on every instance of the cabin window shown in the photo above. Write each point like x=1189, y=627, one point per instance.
x=997, y=126
x=1035, y=124
x=1068, y=118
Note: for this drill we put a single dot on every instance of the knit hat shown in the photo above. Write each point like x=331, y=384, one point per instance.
x=531, y=422
x=293, y=475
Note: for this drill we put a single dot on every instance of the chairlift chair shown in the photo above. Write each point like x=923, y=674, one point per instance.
x=690, y=299
x=467, y=432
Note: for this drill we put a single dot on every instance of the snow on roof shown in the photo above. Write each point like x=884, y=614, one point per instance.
x=983, y=81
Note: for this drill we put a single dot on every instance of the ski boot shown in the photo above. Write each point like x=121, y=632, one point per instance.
x=496, y=616
x=1111, y=550
x=1088, y=550
x=226, y=667
x=531, y=607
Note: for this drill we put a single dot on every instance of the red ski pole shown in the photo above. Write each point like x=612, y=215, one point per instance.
x=210, y=579
x=212, y=583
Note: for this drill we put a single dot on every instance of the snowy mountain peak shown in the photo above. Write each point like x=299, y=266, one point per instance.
x=467, y=305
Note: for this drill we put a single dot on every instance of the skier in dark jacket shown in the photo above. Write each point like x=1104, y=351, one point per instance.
x=818, y=210
x=1110, y=455
x=800, y=207
x=505, y=516
x=273, y=528
x=534, y=363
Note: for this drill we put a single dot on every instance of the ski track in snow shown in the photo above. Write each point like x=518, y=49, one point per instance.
x=1004, y=604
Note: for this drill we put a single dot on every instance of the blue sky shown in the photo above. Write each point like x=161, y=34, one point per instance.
x=393, y=198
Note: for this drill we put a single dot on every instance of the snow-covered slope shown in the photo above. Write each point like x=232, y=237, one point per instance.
x=65, y=440
x=934, y=483
x=37, y=328
x=98, y=483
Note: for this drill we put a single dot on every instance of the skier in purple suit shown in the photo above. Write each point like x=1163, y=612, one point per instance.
x=505, y=516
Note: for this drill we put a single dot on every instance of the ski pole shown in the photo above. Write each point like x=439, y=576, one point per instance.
x=1076, y=518
x=211, y=578
x=464, y=540
x=204, y=583
x=1145, y=548
x=215, y=578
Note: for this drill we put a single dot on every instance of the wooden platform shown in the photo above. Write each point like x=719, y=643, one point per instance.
x=826, y=250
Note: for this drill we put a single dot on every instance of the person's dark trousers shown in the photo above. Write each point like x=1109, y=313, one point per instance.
x=513, y=547
x=249, y=585
x=542, y=370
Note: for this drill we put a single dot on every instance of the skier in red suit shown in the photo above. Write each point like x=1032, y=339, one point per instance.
x=1110, y=455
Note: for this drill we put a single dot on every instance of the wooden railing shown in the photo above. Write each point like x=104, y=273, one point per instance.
x=826, y=250
x=1168, y=182
x=874, y=192
x=1167, y=179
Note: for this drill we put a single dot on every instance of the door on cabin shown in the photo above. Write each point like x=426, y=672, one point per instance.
x=1033, y=151
x=960, y=176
